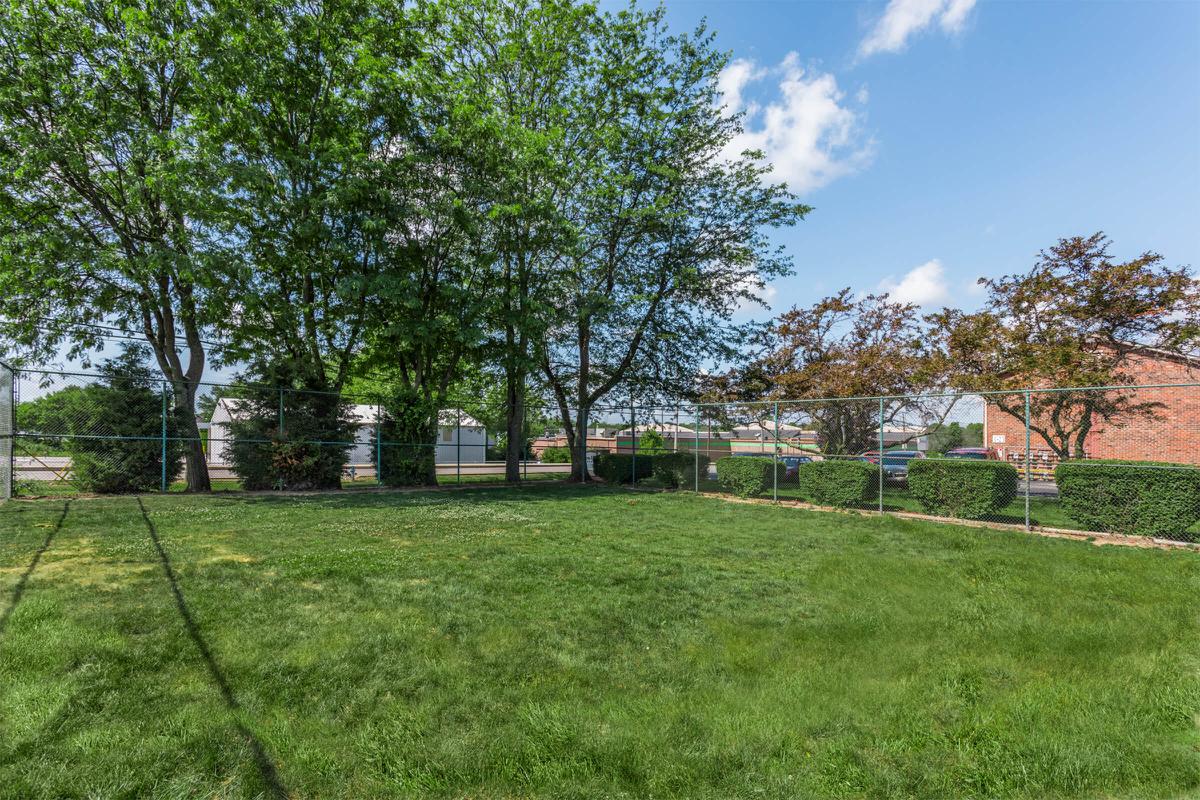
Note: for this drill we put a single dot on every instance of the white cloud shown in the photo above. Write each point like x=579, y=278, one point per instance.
x=904, y=18
x=758, y=288
x=923, y=285
x=807, y=133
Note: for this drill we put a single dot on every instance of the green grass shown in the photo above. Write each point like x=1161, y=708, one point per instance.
x=580, y=643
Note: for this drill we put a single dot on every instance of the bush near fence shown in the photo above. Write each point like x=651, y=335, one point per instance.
x=748, y=476
x=619, y=467
x=962, y=488
x=673, y=470
x=556, y=455
x=1143, y=498
x=838, y=482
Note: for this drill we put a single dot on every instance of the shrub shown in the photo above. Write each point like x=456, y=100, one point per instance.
x=310, y=450
x=128, y=404
x=838, y=482
x=618, y=467
x=1144, y=498
x=747, y=476
x=962, y=488
x=556, y=455
x=409, y=430
x=680, y=469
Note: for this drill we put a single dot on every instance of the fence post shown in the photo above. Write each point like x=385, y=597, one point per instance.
x=696, y=450
x=880, y=455
x=163, y=487
x=379, y=444
x=281, y=412
x=457, y=446
x=775, y=455
x=1028, y=464
x=633, y=440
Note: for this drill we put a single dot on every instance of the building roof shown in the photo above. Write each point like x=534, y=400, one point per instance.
x=227, y=409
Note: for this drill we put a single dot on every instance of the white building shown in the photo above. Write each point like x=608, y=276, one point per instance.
x=460, y=436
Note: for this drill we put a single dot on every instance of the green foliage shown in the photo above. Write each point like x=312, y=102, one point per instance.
x=409, y=430
x=1142, y=498
x=128, y=404
x=962, y=488
x=310, y=450
x=619, y=467
x=651, y=441
x=675, y=470
x=748, y=476
x=556, y=455
x=838, y=482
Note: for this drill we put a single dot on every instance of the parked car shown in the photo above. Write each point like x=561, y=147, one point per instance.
x=792, y=465
x=895, y=462
x=979, y=453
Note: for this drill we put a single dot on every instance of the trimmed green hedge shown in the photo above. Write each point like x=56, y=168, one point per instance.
x=674, y=470
x=839, y=482
x=618, y=467
x=556, y=455
x=1144, y=498
x=747, y=476
x=962, y=488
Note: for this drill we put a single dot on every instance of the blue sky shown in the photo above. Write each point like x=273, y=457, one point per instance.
x=966, y=134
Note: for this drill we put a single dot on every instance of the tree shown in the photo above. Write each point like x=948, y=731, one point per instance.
x=116, y=427
x=1075, y=321
x=839, y=355
x=669, y=236
x=105, y=202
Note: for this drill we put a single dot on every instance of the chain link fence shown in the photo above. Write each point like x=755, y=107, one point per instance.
x=1106, y=459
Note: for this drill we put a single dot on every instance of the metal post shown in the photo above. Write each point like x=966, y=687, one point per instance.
x=1028, y=466
x=379, y=444
x=281, y=412
x=775, y=455
x=524, y=431
x=164, y=437
x=633, y=440
x=457, y=445
x=675, y=438
x=880, y=455
x=696, y=450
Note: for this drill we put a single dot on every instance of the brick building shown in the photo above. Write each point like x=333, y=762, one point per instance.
x=1171, y=434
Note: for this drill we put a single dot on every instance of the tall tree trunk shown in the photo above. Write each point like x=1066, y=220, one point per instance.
x=514, y=446
x=579, y=470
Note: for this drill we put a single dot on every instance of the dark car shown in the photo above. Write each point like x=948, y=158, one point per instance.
x=895, y=462
x=979, y=453
x=792, y=465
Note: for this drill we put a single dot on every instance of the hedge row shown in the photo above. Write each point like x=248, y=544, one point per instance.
x=838, y=482
x=619, y=467
x=962, y=488
x=1144, y=498
x=679, y=469
x=747, y=477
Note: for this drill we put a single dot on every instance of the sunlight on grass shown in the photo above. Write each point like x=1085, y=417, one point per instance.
x=567, y=642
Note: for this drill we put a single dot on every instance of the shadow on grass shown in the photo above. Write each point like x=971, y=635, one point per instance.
x=19, y=590
x=266, y=767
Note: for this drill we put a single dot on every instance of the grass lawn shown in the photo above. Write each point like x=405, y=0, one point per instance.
x=580, y=643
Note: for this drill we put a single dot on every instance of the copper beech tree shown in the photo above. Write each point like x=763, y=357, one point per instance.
x=1075, y=321
x=836, y=356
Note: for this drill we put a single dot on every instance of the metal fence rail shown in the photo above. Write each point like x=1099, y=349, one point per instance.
x=996, y=456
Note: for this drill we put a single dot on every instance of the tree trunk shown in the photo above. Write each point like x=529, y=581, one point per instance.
x=514, y=445
x=579, y=470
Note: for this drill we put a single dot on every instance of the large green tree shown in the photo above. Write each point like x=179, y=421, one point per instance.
x=105, y=205
x=670, y=237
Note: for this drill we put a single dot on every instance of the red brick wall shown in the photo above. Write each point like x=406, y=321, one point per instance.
x=1173, y=434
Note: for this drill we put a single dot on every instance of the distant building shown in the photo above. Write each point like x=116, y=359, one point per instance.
x=460, y=436
x=1172, y=433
